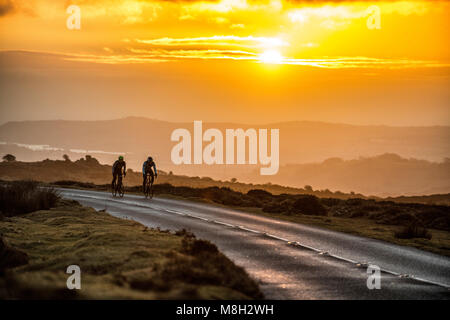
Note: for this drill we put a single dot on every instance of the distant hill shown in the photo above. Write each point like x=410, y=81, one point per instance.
x=304, y=150
x=300, y=141
x=383, y=175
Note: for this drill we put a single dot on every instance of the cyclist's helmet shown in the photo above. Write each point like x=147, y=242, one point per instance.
x=120, y=157
x=150, y=159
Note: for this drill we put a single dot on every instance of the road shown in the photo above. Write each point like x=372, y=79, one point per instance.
x=289, y=260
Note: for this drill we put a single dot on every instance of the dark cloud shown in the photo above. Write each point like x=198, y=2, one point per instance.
x=6, y=7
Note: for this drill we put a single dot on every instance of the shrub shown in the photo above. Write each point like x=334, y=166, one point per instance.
x=354, y=202
x=392, y=210
x=202, y=263
x=279, y=207
x=330, y=202
x=9, y=158
x=413, y=230
x=260, y=194
x=370, y=207
x=358, y=213
x=24, y=197
x=403, y=219
x=308, y=205
x=435, y=217
x=196, y=247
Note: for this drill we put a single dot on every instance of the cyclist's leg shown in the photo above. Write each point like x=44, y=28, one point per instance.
x=152, y=178
x=144, y=181
x=119, y=185
x=114, y=180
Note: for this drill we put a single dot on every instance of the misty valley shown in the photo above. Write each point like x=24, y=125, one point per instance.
x=213, y=153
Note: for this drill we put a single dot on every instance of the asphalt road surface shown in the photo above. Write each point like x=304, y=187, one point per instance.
x=290, y=260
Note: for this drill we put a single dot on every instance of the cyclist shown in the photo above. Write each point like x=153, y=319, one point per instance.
x=118, y=167
x=147, y=169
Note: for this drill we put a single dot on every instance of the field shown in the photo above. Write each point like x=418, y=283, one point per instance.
x=119, y=259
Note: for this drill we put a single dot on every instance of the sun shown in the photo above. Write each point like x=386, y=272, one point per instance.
x=271, y=56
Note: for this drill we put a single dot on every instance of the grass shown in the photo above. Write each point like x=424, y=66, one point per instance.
x=24, y=196
x=119, y=259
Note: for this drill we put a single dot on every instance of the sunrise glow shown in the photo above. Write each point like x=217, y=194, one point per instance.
x=271, y=56
x=384, y=48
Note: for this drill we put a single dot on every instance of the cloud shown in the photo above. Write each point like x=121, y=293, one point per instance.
x=158, y=55
x=219, y=20
x=7, y=7
x=365, y=63
x=237, y=26
x=163, y=55
x=195, y=54
x=222, y=40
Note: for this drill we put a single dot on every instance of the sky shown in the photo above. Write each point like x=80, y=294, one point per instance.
x=244, y=61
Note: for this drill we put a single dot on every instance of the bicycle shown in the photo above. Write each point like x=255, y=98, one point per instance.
x=148, y=189
x=118, y=188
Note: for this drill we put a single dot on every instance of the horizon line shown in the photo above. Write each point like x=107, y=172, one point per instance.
x=229, y=122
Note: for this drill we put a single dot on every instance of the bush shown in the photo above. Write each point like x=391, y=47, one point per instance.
x=358, y=213
x=260, y=194
x=24, y=197
x=279, y=207
x=370, y=207
x=435, y=217
x=354, y=202
x=402, y=219
x=195, y=247
x=309, y=205
x=330, y=202
x=9, y=158
x=224, y=196
x=413, y=230
x=202, y=263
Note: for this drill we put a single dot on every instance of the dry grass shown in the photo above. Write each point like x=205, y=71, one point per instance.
x=119, y=259
x=25, y=196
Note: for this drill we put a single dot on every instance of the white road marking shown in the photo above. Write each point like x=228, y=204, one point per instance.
x=289, y=242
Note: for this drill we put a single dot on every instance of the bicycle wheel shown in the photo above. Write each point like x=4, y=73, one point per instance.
x=147, y=190
x=120, y=188
x=147, y=187
x=121, y=191
x=114, y=190
x=151, y=191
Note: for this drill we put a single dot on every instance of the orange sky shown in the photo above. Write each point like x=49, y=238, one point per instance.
x=229, y=60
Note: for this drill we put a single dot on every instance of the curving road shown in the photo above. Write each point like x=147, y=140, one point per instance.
x=289, y=260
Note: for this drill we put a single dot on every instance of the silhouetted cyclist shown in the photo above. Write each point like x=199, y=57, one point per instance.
x=119, y=168
x=149, y=168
